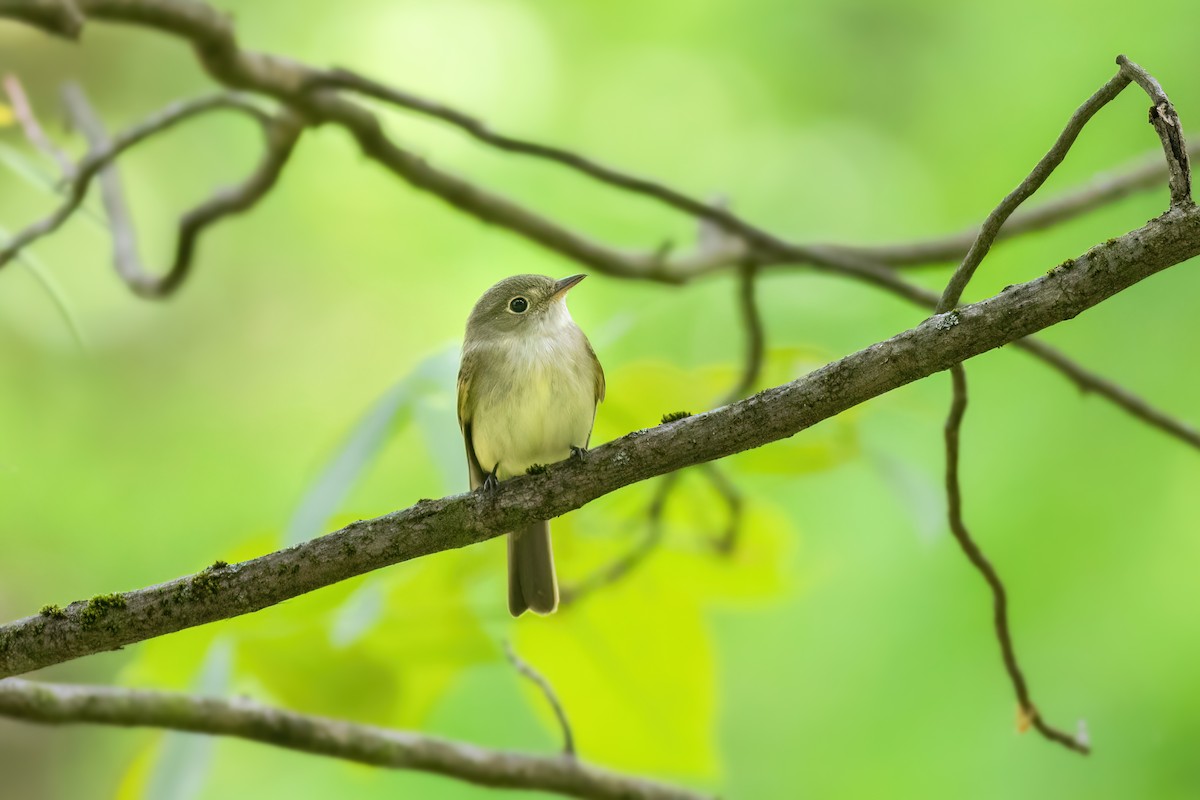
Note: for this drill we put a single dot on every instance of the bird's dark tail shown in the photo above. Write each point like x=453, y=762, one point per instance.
x=531, y=582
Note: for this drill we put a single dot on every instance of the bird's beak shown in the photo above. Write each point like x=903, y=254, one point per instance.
x=563, y=286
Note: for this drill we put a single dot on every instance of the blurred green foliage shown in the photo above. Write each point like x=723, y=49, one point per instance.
x=304, y=377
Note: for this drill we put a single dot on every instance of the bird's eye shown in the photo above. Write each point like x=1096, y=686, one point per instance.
x=518, y=305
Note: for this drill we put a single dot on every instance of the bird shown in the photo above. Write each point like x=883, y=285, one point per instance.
x=529, y=385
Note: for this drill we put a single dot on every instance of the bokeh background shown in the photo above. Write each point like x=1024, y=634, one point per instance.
x=304, y=376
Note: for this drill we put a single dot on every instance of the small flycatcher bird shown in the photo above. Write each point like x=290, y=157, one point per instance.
x=528, y=389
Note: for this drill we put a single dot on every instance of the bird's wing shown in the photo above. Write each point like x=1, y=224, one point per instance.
x=475, y=472
x=599, y=371
x=598, y=386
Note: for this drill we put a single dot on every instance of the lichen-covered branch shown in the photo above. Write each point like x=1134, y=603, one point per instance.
x=226, y=591
x=61, y=705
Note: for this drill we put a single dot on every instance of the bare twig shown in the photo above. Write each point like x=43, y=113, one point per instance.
x=1100, y=191
x=280, y=134
x=367, y=744
x=624, y=564
x=1169, y=129
x=1086, y=380
x=755, y=334
x=540, y=681
x=1090, y=382
x=953, y=427
x=1039, y=174
x=715, y=212
x=727, y=542
x=91, y=164
x=1142, y=176
x=106, y=622
x=23, y=111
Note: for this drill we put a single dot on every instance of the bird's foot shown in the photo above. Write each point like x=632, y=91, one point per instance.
x=578, y=452
x=491, y=483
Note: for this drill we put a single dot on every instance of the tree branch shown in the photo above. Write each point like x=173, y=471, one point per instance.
x=280, y=135
x=107, y=622
x=1039, y=174
x=1144, y=174
x=298, y=85
x=91, y=164
x=381, y=747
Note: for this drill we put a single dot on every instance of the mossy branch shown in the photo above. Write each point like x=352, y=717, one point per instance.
x=461, y=520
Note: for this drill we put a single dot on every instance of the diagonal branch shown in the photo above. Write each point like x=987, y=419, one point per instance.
x=367, y=744
x=1139, y=177
x=937, y=344
x=280, y=135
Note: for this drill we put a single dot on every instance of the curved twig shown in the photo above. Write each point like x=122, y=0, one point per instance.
x=280, y=135
x=87, y=169
x=1169, y=129
x=1039, y=174
x=548, y=692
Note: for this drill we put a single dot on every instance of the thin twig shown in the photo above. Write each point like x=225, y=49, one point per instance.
x=23, y=111
x=950, y=297
x=1169, y=129
x=92, y=163
x=1141, y=176
x=953, y=427
x=755, y=332
x=715, y=213
x=1039, y=174
x=63, y=704
x=280, y=135
x=732, y=498
x=1090, y=382
x=1105, y=188
x=540, y=681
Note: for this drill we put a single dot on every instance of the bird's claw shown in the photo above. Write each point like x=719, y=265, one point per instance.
x=491, y=483
x=579, y=452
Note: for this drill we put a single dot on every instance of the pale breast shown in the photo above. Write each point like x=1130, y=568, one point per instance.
x=536, y=401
